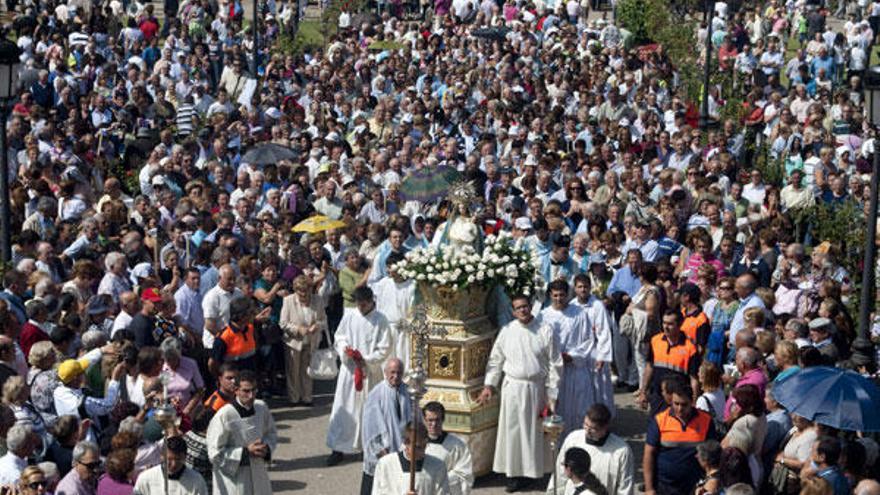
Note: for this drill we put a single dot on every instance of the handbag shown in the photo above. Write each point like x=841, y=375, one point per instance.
x=323, y=362
x=782, y=480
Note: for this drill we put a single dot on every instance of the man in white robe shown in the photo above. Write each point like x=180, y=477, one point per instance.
x=392, y=472
x=362, y=341
x=241, y=438
x=386, y=412
x=611, y=457
x=394, y=298
x=181, y=481
x=450, y=449
x=603, y=337
x=526, y=355
x=574, y=336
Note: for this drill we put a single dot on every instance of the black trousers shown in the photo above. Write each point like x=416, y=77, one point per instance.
x=366, y=484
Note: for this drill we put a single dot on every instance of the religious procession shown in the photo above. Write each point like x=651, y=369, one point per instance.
x=431, y=247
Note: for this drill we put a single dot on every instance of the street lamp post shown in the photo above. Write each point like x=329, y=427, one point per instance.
x=862, y=347
x=9, y=68
x=256, y=39
x=705, y=121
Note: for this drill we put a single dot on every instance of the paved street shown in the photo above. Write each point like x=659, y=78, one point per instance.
x=299, y=462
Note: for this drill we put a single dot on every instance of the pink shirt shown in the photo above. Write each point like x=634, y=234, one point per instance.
x=696, y=261
x=185, y=380
x=752, y=377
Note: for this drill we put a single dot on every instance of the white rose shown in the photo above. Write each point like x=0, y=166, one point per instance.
x=490, y=273
x=481, y=275
x=421, y=276
x=526, y=291
x=470, y=279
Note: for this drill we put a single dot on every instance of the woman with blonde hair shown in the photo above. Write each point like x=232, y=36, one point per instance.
x=32, y=481
x=16, y=395
x=303, y=319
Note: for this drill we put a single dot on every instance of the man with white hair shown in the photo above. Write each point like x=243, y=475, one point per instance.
x=20, y=444
x=386, y=412
x=82, y=479
x=115, y=280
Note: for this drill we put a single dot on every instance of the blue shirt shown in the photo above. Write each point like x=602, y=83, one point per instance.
x=836, y=479
x=738, y=323
x=624, y=281
x=189, y=307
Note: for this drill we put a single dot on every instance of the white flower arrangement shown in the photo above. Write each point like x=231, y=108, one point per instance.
x=502, y=262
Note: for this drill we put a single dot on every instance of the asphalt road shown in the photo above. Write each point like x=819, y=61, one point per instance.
x=298, y=465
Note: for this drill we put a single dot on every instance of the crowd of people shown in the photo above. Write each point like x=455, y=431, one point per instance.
x=157, y=293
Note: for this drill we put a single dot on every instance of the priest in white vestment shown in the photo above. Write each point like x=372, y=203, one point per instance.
x=450, y=449
x=362, y=341
x=525, y=354
x=574, y=335
x=603, y=339
x=181, y=480
x=392, y=472
x=241, y=438
x=394, y=298
x=611, y=458
x=386, y=412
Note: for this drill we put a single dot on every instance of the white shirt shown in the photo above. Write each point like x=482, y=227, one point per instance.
x=753, y=193
x=215, y=305
x=122, y=320
x=152, y=481
x=11, y=467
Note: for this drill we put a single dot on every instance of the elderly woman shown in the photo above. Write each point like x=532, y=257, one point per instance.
x=302, y=319
x=43, y=380
x=115, y=281
x=184, y=379
x=748, y=427
x=16, y=395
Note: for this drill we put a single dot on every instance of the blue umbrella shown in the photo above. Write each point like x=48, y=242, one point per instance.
x=834, y=397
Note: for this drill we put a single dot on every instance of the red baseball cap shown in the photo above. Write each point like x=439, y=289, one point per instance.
x=151, y=295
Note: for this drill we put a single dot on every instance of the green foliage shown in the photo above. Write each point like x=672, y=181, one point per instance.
x=772, y=169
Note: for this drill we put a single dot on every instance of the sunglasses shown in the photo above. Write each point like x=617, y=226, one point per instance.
x=91, y=466
x=37, y=484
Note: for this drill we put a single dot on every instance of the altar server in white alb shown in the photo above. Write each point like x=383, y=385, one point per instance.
x=601, y=352
x=392, y=472
x=241, y=438
x=526, y=355
x=611, y=458
x=574, y=335
x=394, y=298
x=362, y=341
x=386, y=413
x=450, y=449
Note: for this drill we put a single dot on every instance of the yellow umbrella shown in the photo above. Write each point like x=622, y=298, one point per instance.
x=318, y=223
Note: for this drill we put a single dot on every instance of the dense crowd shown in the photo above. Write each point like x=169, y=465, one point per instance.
x=158, y=291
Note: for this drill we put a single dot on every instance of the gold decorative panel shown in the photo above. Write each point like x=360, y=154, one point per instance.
x=444, y=362
x=475, y=358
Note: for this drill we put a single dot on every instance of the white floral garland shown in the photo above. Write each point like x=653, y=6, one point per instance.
x=503, y=262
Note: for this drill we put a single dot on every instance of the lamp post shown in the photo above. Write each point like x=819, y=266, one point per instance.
x=256, y=39
x=9, y=68
x=862, y=347
x=705, y=121
x=419, y=329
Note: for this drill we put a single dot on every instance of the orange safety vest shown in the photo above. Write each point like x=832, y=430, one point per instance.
x=690, y=324
x=672, y=357
x=215, y=401
x=239, y=345
x=673, y=433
